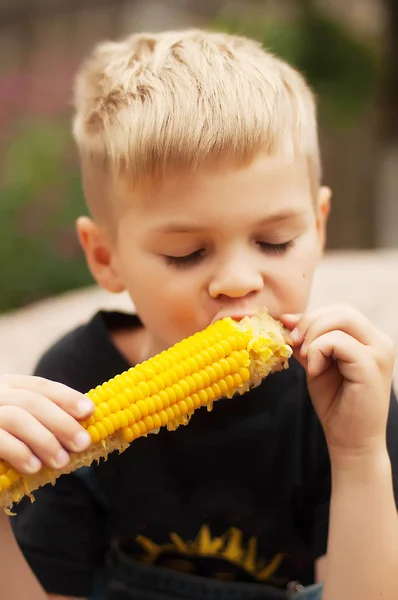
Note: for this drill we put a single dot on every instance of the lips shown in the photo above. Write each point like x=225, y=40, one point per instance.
x=236, y=316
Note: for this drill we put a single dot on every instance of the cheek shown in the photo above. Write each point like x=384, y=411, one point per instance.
x=180, y=298
x=166, y=301
x=298, y=272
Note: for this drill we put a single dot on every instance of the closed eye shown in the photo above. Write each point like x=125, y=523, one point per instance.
x=187, y=260
x=276, y=248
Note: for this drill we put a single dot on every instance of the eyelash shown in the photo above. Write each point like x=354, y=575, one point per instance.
x=196, y=257
x=276, y=248
x=185, y=261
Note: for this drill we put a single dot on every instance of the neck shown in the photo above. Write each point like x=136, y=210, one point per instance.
x=136, y=345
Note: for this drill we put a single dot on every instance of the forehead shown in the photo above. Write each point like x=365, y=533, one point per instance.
x=266, y=187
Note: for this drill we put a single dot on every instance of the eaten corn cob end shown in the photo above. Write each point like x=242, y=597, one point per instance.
x=227, y=358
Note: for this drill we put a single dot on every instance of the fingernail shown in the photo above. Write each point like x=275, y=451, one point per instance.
x=304, y=349
x=34, y=464
x=61, y=459
x=84, y=407
x=82, y=440
x=295, y=335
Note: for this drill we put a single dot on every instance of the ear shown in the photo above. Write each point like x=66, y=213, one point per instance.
x=99, y=253
x=323, y=205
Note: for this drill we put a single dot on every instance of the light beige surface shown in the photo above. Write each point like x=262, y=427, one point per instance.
x=368, y=281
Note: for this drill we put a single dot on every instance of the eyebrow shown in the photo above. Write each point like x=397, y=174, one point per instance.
x=287, y=215
x=175, y=227
x=179, y=228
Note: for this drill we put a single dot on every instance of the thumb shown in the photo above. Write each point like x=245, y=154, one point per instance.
x=289, y=320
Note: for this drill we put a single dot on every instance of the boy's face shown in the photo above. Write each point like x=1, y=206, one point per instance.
x=220, y=242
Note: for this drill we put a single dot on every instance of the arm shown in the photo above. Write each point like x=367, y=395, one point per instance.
x=364, y=525
x=358, y=529
x=363, y=512
x=349, y=367
x=320, y=569
x=18, y=581
x=61, y=535
x=355, y=523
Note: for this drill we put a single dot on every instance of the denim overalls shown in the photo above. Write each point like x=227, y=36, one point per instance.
x=128, y=579
x=131, y=580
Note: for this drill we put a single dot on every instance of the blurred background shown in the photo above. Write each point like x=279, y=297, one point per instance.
x=348, y=50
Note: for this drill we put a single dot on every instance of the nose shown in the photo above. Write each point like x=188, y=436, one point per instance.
x=236, y=280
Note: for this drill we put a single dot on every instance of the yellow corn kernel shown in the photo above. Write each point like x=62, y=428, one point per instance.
x=113, y=405
x=101, y=430
x=157, y=423
x=123, y=399
x=164, y=391
x=120, y=418
x=151, y=406
x=163, y=417
x=158, y=403
x=135, y=411
x=12, y=475
x=129, y=415
x=5, y=482
x=149, y=423
x=98, y=414
x=128, y=435
x=136, y=430
x=196, y=400
x=170, y=414
x=107, y=423
x=95, y=436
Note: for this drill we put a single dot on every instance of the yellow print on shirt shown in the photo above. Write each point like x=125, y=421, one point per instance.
x=230, y=547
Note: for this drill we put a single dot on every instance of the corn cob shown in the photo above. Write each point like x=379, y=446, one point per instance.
x=228, y=357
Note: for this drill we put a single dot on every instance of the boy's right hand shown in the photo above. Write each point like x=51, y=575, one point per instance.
x=38, y=422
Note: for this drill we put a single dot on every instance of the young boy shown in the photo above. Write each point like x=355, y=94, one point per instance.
x=202, y=175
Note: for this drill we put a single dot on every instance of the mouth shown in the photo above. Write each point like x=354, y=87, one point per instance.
x=237, y=316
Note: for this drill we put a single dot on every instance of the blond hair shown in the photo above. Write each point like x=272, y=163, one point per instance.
x=154, y=102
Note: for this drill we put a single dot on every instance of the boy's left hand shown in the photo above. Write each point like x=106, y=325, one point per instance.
x=349, y=365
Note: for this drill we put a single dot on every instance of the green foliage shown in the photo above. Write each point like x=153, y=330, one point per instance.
x=40, y=190
x=40, y=198
x=341, y=68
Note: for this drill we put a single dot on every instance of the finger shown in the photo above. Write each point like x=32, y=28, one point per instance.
x=349, y=321
x=338, y=316
x=65, y=427
x=299, y=332
x=352, y=357
x=18, y=454
x=76, y=404
x=303, y=360
x=290, y=321
x=26, y=428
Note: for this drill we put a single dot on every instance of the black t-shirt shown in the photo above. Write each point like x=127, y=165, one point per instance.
x=241, y=493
